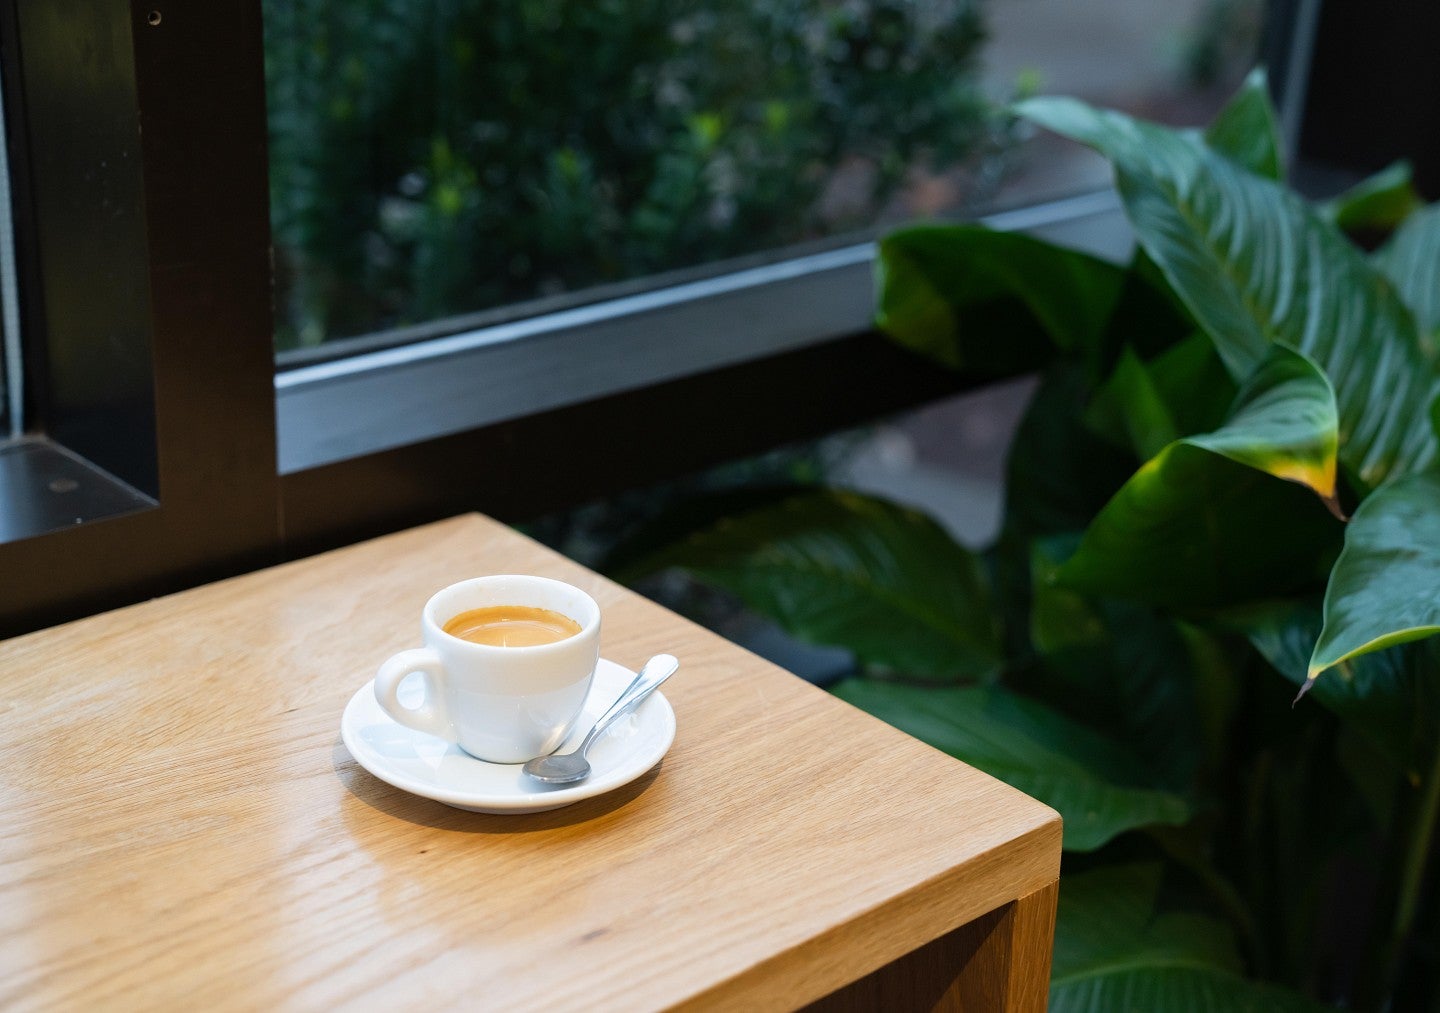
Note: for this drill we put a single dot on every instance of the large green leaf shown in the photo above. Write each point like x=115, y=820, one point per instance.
x=1058, y=473
x=1192, y=382
x=1385, y=588
x=1129, y=410
x=1117, y=952
x=1284, y=423
x=1378, y=203
x=1247, y=129
x=1193, y=528
x=1255, y=265
x=1149, y=317
x=631, y=555
x=1117, y=666
x=995, y=303
x=1412, y=261
x=852, y=571
x=1391, y=697
x=1093, y=782
x=1204, y=522
x=1145, y=405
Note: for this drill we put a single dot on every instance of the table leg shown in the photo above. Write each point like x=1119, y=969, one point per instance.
x=998, y=963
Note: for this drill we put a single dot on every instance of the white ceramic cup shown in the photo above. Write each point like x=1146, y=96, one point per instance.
x=500, y=704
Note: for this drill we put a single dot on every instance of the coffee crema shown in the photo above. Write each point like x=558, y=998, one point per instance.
x=512, y=626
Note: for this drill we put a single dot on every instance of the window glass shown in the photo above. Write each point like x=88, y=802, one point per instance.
x=443, y=156
x=1176, y=62
x=10, y=375
x=439, y=157
x=11, y=389
x=6, y=426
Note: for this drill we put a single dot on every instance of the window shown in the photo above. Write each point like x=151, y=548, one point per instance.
x=562, y=193
x=144, y=288
x=484, y=213
x=147, y=456
x=89, y=457
x=11, y=374
x=433, y=159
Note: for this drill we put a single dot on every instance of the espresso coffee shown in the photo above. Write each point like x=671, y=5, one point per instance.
x=512, y=626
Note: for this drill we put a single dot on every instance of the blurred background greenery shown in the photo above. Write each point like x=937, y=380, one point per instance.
x=439, y=157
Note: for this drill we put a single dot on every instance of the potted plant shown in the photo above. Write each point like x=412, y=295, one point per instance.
x=1224, y=492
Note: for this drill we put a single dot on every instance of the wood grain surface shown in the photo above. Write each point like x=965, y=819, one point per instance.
x=184, y=828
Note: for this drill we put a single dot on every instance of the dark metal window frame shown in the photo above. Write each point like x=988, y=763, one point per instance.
x=378, y=400
x=713, y=370
x=191, y=430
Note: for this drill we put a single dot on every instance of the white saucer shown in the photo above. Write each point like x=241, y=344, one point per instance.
x=431, y=768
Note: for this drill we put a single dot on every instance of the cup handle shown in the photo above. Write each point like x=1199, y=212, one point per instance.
x=430, y=717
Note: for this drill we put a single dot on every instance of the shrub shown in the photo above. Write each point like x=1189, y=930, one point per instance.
x=432, y=158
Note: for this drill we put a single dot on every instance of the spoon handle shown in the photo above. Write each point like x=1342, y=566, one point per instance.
x=651, y=675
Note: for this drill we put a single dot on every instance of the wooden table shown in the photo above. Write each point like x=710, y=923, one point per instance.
x=183, y=827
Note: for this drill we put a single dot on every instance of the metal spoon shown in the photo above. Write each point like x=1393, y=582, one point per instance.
x=565, y=768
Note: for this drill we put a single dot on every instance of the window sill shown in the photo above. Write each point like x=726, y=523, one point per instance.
x=377, y=401
x=44, y=487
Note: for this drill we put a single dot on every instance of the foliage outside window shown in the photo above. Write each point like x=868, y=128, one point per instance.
x=441, y=157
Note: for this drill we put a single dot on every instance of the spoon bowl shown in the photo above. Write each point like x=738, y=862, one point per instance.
x=567, y=768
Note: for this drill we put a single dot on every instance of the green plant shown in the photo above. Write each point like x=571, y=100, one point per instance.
x=1224, y=490
x=437, y=157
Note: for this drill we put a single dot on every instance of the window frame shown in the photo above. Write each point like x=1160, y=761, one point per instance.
x=376, y=401
x=395, y=437
x=12, y=372
x=203, y=248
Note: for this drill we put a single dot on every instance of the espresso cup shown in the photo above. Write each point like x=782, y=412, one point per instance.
x=500, y=704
